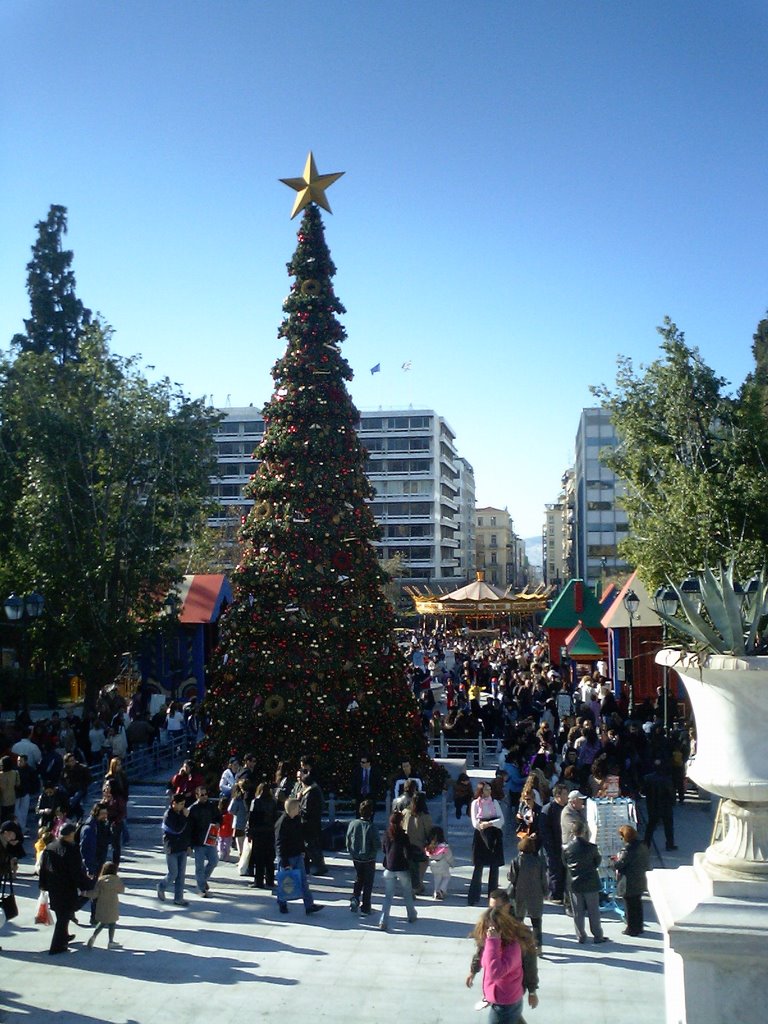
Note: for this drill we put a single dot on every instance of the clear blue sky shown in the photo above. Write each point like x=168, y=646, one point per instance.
x=530, y=188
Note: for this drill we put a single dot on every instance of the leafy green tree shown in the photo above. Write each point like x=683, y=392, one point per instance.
x=692, y=460
x=308, y=660
x=58, y=317
x=102, y=478
x=213, y=549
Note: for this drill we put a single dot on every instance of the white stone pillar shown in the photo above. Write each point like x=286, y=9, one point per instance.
x=715, y=945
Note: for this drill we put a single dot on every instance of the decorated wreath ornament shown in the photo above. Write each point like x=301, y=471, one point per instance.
x=311, y=287
x=274, y=705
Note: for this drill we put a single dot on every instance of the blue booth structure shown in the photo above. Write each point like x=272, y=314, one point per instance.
x=175, y=663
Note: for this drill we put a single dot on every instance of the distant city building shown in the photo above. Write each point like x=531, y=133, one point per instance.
x=552, y=544
x=423, y=488
x=499, y=552
x=465, y=552
x=599, y=524
x=558, y=535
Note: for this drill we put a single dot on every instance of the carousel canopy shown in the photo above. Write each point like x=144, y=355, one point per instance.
x=479, y=599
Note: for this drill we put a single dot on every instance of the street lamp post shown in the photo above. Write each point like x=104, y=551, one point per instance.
x=20, y=612
x=666, y=601
x=631, y=603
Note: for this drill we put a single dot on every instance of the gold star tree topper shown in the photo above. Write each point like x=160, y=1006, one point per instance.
x=311, y=187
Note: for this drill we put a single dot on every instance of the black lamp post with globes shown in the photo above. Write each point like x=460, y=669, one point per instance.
x=21, y=612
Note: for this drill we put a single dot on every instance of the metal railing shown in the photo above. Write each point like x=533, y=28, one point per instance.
x=143, y=762
x=479, y=752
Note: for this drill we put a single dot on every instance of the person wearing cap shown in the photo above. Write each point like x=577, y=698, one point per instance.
x=62, y=875
x=228, y=777
x=573, y=813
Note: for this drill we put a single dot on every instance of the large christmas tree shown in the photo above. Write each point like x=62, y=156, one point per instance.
x=308, y=662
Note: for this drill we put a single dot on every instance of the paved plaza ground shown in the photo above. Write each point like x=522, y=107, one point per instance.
x=234, y=958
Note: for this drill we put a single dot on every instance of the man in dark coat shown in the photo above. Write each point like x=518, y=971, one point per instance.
x=550, y=833
x=659, y=792
x=62, y=875
x=367, y=783
x=582, y=860
x=311, y=801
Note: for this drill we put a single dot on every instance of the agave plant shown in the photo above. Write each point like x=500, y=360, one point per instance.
x=720, y=615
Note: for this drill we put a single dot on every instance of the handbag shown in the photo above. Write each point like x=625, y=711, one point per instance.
x=289, y=885
x=491, y=837
x=8, y=900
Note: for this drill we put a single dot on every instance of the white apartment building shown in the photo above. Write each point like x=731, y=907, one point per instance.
x=421, y=485
x=599, y=524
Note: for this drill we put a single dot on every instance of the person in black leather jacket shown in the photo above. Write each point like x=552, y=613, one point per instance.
x=582, y=860
x=203, y=813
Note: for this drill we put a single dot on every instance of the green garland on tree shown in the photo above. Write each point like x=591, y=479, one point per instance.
x=308, y=662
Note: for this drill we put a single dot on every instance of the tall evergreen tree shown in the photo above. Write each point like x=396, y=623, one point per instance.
x=58, y=317
x=308, y=661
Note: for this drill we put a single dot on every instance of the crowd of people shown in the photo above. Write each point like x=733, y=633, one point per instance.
x=560, y=742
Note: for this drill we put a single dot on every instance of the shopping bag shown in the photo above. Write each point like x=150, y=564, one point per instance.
x=245, y=856
x=43, y=912
x=212, y=835
x=288, y=884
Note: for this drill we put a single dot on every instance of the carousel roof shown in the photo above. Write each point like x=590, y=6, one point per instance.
x=477, y=591
x=479, y=598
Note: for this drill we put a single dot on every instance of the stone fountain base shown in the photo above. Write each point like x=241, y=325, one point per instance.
x=715, y=944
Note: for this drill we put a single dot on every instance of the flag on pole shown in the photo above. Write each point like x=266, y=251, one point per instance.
x=376, y=368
